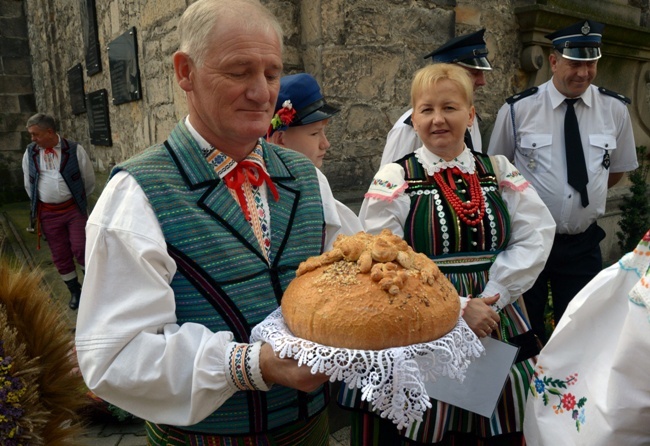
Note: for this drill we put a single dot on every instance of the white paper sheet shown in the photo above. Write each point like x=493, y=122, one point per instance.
x=484, y=380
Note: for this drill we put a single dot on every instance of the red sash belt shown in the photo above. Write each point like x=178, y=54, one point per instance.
x=58, y=208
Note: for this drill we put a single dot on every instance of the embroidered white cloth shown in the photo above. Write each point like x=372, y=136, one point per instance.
x=390, y=380
x=591, y=385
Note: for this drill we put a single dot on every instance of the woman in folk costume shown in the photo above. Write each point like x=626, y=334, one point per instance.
x=591, y=383
x=487, y=230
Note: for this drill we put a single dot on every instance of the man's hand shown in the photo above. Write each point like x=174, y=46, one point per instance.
x=287, y=373
x=480, y=317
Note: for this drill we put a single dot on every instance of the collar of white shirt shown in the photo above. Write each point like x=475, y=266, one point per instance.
x=433, y=163
x=557, y=98
x=56, y=147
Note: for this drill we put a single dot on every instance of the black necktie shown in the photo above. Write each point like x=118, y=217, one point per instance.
x=468, y=140
x=575, y=157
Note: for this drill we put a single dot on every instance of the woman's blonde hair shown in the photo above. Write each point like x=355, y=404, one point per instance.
x=430, y=75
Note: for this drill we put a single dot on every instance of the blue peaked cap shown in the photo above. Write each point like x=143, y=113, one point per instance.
x=306, y=98
x=580, y=41
x=469, y=50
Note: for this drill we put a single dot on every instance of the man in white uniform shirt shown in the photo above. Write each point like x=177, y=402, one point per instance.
x=59, y=177
x=573, y=183
x=470, y=52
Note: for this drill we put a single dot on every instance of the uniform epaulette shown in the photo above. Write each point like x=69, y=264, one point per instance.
x=613, y=94
x=524, y=94
x=408, y=121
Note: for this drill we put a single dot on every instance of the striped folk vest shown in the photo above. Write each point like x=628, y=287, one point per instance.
x=223, y=280
x=433, y=228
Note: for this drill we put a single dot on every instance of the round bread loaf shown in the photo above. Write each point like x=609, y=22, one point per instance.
x=370, y=293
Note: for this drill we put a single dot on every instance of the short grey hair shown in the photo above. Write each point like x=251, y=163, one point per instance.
x=202, y=16
x=43, y=121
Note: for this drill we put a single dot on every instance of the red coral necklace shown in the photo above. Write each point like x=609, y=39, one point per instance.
x=469, y=212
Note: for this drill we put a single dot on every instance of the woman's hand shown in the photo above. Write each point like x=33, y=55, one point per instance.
x=480, y=317
x=287, y=373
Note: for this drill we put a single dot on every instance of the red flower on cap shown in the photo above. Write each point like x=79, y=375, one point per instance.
x=283, y=117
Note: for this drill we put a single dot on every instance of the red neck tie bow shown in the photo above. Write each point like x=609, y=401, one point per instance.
x=256, y=176
x=50, y=151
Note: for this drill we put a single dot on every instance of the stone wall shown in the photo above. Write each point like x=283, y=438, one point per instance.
x=16, y=97
x=363, y=52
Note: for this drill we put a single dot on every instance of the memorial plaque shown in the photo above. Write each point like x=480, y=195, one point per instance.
x=98, y=120
x=123, y=65
x=76, y=88
x=91, y=39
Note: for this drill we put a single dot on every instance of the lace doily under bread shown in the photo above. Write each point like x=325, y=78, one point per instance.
x=391, y=380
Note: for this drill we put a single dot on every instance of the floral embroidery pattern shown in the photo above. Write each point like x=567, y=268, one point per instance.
x=385, y=184
x=639, y=261
x=549, y=389
x=515, y=181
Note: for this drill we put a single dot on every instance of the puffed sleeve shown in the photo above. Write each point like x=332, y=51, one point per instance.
x=131, y=350
x=385, y=204
x=26, y=182
x=532, y=230
x=339, y=219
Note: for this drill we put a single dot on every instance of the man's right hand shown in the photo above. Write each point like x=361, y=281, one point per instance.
x=286, y=372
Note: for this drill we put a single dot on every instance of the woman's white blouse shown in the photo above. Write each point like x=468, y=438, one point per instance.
x=532, y=227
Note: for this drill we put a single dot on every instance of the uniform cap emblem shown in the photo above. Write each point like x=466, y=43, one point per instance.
x=585, y=28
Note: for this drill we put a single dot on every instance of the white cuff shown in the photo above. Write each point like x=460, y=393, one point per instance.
x=492, y=289
x=242, y=363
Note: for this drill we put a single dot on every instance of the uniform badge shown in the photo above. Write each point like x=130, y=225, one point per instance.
x=585, y=28
x=606, y=160
x=531, y=164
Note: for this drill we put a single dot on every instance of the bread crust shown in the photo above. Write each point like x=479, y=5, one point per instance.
x=370, y=293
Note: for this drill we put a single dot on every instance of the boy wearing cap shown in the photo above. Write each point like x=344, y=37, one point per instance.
x=470, y=52
x=301, y=116
x=572, y=141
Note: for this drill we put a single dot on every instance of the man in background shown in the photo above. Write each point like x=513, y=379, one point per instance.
x=572, y=141
x=59, y=177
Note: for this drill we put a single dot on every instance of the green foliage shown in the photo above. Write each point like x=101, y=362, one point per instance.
x=635, y=219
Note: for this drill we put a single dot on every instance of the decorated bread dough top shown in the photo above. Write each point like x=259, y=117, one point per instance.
x=370, y=292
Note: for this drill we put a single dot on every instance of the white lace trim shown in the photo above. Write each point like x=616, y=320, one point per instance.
x=433, y=163
x=390, y=380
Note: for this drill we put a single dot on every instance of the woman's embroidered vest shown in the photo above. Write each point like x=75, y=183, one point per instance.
x=223, y=280
x=432, y=226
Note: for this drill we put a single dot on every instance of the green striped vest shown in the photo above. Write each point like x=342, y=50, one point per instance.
x=223, y=280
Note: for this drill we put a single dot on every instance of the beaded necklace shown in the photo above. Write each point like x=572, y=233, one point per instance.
x=469, y=212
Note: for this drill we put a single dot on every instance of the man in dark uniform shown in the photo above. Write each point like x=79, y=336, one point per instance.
x=572, y=141
x=470, y=52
